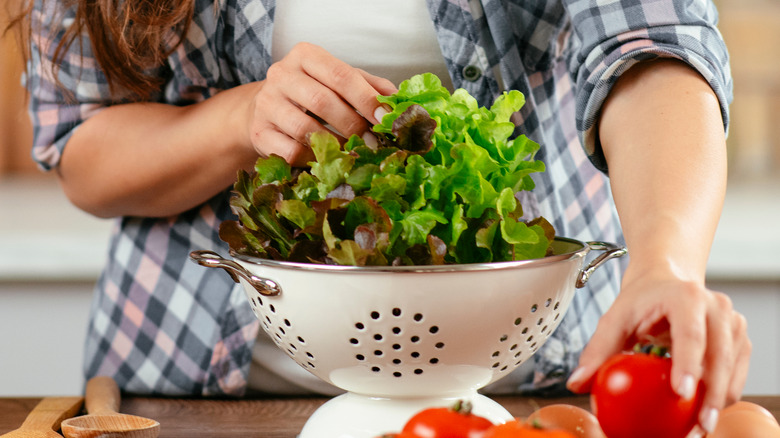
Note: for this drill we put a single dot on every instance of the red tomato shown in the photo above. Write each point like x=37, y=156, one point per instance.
x=454, y=422
x=522, y=429
x=632, y=397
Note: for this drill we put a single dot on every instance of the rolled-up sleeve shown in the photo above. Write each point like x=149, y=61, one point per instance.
x=59, y=105
x=613, y=35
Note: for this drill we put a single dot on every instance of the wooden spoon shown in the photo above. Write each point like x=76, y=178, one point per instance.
x=102, y=401
x=45, y=418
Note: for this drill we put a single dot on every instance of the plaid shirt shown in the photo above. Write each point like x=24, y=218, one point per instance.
x=163, y=325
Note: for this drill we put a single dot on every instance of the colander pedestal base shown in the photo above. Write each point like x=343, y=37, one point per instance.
x=359, y=416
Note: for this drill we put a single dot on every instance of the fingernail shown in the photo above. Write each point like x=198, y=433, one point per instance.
x=576, y=377
x=708, y=419
x=695, y=433
x=370, y=139
x=687, y=387
x=380, y=112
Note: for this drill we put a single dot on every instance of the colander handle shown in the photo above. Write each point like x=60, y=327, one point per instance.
x=210, y=259
x=611, y=251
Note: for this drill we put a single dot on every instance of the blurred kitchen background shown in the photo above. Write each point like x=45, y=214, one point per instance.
x=51, y=253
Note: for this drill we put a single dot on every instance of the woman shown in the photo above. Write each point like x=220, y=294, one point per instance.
x=147, y=117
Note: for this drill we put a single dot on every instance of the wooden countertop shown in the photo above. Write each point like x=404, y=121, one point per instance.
x=267, y=418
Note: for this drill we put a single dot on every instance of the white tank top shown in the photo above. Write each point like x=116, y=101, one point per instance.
x=394, y=39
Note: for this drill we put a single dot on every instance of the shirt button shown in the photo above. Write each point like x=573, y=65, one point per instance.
x=472, y=73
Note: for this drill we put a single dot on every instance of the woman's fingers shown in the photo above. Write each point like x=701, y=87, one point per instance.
x=320, y=100
x=688, y=336
x=610, y=337
x=277, y=143
x=743, y=348
x=719, y=359
x=348, y=82
x=382, y=85
x=309, y=91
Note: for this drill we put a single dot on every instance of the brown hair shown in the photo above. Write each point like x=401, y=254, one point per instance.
x=129, y=38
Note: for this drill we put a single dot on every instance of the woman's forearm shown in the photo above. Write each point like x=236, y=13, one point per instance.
x=150, y=159
x=663, y=138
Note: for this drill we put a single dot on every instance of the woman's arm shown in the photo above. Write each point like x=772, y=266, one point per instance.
x=149, y=159
x=153, y=159
x=662, y=135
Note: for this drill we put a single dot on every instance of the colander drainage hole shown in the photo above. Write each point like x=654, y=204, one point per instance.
x=360, y=357
x=354, y=341
x=375, y=315
x=396, y=312
x=360, y=326
x=396, y=330
x=378, y=337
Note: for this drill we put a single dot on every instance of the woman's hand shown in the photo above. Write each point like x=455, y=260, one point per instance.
x=708, y=337
x=662, y=134
x=305, y=89
x=164, y=159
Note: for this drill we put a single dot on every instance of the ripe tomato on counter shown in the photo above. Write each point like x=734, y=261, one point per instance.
x=454, y=422
x=523, y=429
x=632, y=397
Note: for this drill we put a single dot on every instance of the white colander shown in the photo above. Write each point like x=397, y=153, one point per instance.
x=399, y=339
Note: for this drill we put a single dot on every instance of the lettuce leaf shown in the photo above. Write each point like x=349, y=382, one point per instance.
x=440, y=188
